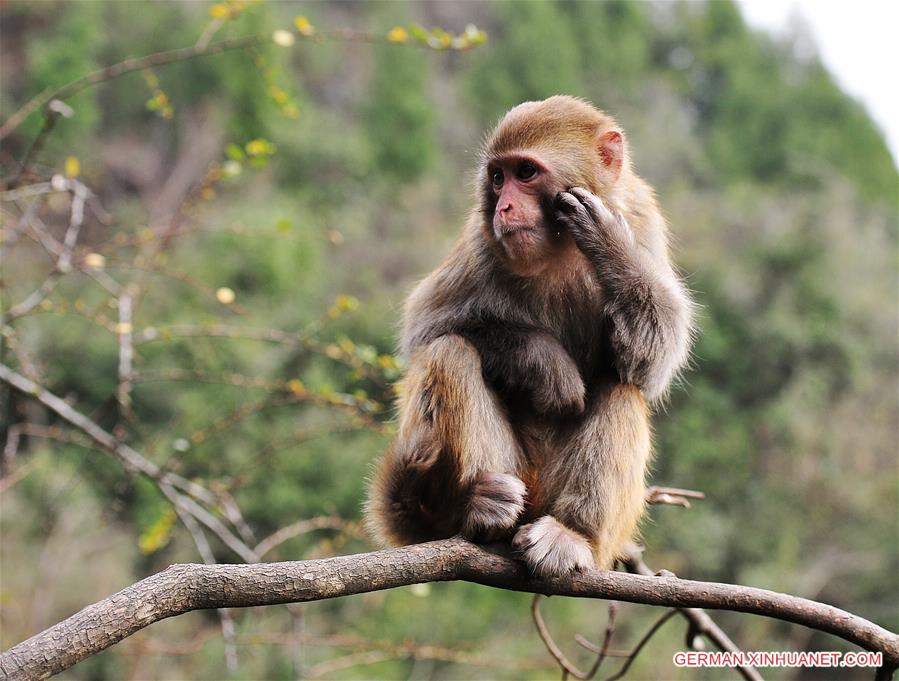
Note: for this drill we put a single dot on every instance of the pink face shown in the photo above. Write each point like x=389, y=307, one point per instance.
x=521, y=188
x=521, y=185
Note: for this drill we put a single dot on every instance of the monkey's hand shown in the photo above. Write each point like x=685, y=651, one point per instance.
x=532, y=362
x=598, y=231
x=552, y=378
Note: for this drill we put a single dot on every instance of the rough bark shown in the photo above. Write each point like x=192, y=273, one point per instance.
x=182, y=588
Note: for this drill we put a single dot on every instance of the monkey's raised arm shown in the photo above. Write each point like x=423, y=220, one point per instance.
x=647, y=305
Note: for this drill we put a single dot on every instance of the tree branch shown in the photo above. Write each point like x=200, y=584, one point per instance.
x=700, y=622
x=183, y=588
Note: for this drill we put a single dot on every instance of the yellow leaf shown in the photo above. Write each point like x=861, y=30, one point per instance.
x=72, y=167
x=398, y=34
x=303, y=25
x=296, y=386
x=158, y=534
x=219, y=11
x=346, y=303
x=260, y=147
x=277, y=94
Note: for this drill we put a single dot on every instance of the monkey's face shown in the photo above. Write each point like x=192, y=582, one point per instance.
x=519, y=197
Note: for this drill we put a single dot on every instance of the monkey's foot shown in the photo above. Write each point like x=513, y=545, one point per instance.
x=551, y=550
x=496, y=502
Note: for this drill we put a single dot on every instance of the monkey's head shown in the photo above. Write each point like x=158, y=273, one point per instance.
x=537, y=150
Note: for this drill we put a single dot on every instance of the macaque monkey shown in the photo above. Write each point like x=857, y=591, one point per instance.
x=534, y=351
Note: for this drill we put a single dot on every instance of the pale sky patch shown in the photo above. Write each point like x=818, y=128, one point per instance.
x=857, y=41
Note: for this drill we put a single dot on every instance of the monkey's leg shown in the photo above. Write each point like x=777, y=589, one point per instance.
x=596, y=485
x=454, y=465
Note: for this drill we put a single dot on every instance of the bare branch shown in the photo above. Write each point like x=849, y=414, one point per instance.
x=346, y=662
x=567, y=666
x=184, y=588
x=604, y=651
x=80, y=194
x=126, y=355
x=700, y=621
x=673, y=496
x=227, y=621
x=643, y=641
x=302, y=527
x=135, y=462
x=200, y=49
x=135, y=64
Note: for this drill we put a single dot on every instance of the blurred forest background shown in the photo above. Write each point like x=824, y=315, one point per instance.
x=264, y=212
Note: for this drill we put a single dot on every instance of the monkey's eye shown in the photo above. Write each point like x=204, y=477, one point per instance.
x=526, y=170
x=497, y=178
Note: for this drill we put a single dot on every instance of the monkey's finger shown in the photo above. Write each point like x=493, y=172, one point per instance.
x=571, y=212
x=595, y=206
x=565, y=201
x=568, y=212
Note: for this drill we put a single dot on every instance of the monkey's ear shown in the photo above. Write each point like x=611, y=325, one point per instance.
x=611, y=155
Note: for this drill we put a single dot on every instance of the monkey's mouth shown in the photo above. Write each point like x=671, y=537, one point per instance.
x=516, y=231
x=519, y=240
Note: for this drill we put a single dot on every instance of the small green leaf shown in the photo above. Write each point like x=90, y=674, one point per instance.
x=234, y=152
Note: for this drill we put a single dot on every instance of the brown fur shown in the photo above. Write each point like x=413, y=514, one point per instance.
x=525, y=401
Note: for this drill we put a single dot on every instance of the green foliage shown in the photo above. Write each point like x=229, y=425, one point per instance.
x=68, y=51
x=614, y=44
x=770, y=117
x=515, y=67
x=399, y=116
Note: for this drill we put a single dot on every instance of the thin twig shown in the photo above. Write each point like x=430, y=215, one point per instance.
x=121, y=68
x=227, y=620
x=20, y=473
x=602, y=652
x=134, y=461
x=643, y=641
x=232, y=512
x=700, y=621
x=54, y=110
x=301, y=527
x=63, y=265
x=126, y=355
x=180, y=54
x=567, y=666
x=673, y=496
x=346, y=662
x=35, y=189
